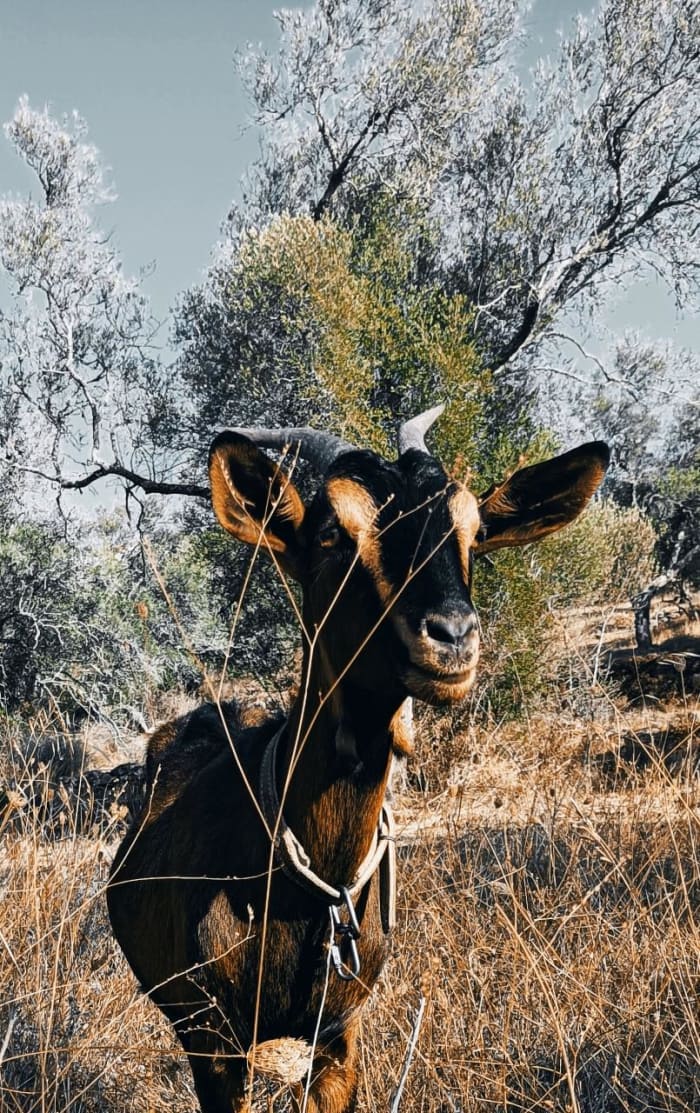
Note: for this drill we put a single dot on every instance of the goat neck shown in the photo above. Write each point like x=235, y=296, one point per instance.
x=335, y=766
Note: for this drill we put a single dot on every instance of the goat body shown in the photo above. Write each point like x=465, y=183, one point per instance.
x=212, y=932
x=231, y=948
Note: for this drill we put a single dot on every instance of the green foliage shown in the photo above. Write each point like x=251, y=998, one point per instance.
x=311, y=322
x=362, y=338
x=96, y=625
x=333, y=327
x=681, y=484
x=605, y=557
x=209, y=613
x=676, y=507
x=655, y=447
x=70, y=636
x=351, y=334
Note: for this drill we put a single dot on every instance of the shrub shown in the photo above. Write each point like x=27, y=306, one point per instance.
x=602, y=558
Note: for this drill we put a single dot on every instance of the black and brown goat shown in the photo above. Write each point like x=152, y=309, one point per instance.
x=231, y=909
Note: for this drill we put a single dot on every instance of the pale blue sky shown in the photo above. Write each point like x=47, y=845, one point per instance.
x=155, y=81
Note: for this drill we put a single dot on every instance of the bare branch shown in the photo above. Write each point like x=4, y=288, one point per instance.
x=147, y=485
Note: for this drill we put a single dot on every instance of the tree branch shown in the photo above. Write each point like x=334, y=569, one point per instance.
x=527, y=324
x=148, y=486
x=336, y=177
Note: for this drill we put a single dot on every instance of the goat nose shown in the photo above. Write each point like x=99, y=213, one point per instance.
x=452, y=630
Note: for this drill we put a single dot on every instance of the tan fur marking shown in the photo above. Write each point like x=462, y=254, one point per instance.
x=500, y=501
x=355, y=507
x=437, y=691
x=587, y=486
x=520, y=519
x=229, y=505
x=357, y=513
x=401, y=729
x=464, y=510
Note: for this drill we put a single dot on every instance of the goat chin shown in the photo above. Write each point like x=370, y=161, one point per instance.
x=439, y=689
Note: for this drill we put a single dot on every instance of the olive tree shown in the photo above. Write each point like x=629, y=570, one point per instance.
x=527, y=201
x=647, y=407
x=542, y=193
x=84, y=394
x=520, y=205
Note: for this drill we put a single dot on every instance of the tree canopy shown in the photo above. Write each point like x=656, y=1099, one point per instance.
x=463, y=214
x=540, y=193
x=422, y=225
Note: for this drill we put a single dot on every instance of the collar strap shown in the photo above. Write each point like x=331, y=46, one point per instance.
x=296, y=864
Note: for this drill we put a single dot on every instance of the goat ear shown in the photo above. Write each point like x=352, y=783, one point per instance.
x=255, y=500
x=540, y=499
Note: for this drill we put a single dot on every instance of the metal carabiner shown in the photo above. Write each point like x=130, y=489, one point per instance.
x=344, y=936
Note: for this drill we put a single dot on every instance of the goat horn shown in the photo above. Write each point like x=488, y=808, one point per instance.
x=412, y=433
x=320, y=449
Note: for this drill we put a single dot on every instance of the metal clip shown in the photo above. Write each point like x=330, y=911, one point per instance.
x=344, y=937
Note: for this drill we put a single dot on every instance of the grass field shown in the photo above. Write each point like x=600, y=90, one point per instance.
x=549, y=930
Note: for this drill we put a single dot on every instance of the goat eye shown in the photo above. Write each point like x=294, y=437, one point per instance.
x=329, y=536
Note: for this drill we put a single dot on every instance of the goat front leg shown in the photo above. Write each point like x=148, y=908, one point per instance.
x=219, y=1077
x=334, y=1074
x=220, y=1087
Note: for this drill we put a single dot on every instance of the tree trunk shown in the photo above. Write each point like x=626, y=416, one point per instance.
x=641, y=605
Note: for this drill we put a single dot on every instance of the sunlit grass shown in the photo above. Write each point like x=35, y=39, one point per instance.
x=548, y=914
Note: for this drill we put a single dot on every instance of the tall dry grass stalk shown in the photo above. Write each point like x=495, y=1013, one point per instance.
x=559, y=959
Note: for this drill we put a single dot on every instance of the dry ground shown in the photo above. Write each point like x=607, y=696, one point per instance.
x=549, y=917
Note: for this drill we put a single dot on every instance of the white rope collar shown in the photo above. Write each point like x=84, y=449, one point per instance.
x=296, y=864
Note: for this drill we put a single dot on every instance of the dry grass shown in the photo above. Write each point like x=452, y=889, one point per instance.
x=74, y=1031
x=557, y=948
x=549, y=901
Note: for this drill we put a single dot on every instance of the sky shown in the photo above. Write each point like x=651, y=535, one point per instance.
x=155, y=81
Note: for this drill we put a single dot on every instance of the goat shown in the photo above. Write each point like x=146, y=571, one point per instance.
x=247, y=921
